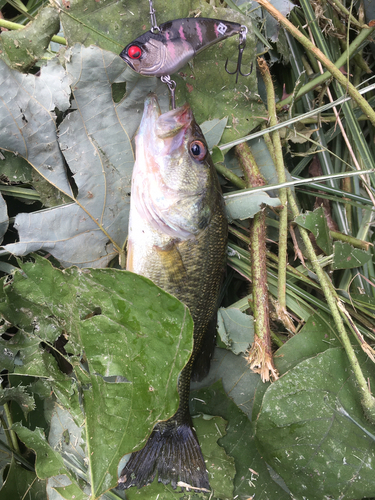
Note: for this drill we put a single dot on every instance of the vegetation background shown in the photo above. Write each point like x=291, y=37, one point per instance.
x=89, y=353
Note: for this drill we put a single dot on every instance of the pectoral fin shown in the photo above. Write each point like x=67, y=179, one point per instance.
x=172, y=264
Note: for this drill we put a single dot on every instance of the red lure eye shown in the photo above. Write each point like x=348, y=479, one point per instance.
x=134, y=52
x=198, y=150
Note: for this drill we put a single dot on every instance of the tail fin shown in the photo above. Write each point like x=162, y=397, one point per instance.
x=174, y=453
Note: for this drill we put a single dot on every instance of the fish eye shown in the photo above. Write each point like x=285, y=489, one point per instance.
x=134, y=52
x=198, y=150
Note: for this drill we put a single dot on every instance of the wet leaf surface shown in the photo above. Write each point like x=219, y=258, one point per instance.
x=312, y=431
x=141, y=333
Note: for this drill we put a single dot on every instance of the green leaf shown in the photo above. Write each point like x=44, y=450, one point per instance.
x=317, y=335
x=27, y=118
x=50, y=462
x=345, y=256
x=236, y=329
x=252, y=475
x=139, y=332
x=21, y=49
x=217, y=155
x=19, y=395
x=65, y=437
x=238, y=380
x=22, y=483
x=312, y=431
x=112, y=25
x=204, y=83
x=316, y=222
x=14, y=168
x=59, y=487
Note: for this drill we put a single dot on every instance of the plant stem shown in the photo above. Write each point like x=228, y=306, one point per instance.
x=231, y=176
x=259, y=356
x=355, y=242
x=6, y=431
x=283, y=214
x=347, y=13
x=367, y=399
x=13, y=435
x=333, y=69
x=14, y=26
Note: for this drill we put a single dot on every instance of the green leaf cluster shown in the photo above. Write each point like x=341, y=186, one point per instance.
x=91, y=355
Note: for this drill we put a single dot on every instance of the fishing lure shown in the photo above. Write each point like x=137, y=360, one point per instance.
x=165, y=49
x=168, y=50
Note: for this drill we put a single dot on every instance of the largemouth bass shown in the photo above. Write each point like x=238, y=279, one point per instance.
x=166, y=51
x=177, y=238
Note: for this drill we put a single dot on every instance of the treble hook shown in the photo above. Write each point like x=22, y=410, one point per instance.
x=241, y=47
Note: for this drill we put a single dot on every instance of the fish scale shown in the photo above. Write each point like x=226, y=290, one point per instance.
x=183, y=252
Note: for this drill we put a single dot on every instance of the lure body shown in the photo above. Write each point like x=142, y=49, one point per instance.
x=164, y=52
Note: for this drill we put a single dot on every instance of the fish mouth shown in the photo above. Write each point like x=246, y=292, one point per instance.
x=164, y=125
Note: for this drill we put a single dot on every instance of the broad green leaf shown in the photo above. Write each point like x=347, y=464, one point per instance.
x=220, y=467
x=60, y=487
x=50, y=462
x=312, y=431
x=244, y=205
x=204, y=82
x=22, y=483
x=236, y=329
x=65, y=437
x=139, y=332
x=22, y=48
x=265, y=162
x=317, y=335
x=96, y=141
x=316, y=222
x=252, y=475
x=112, y=25
x=345, y=256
